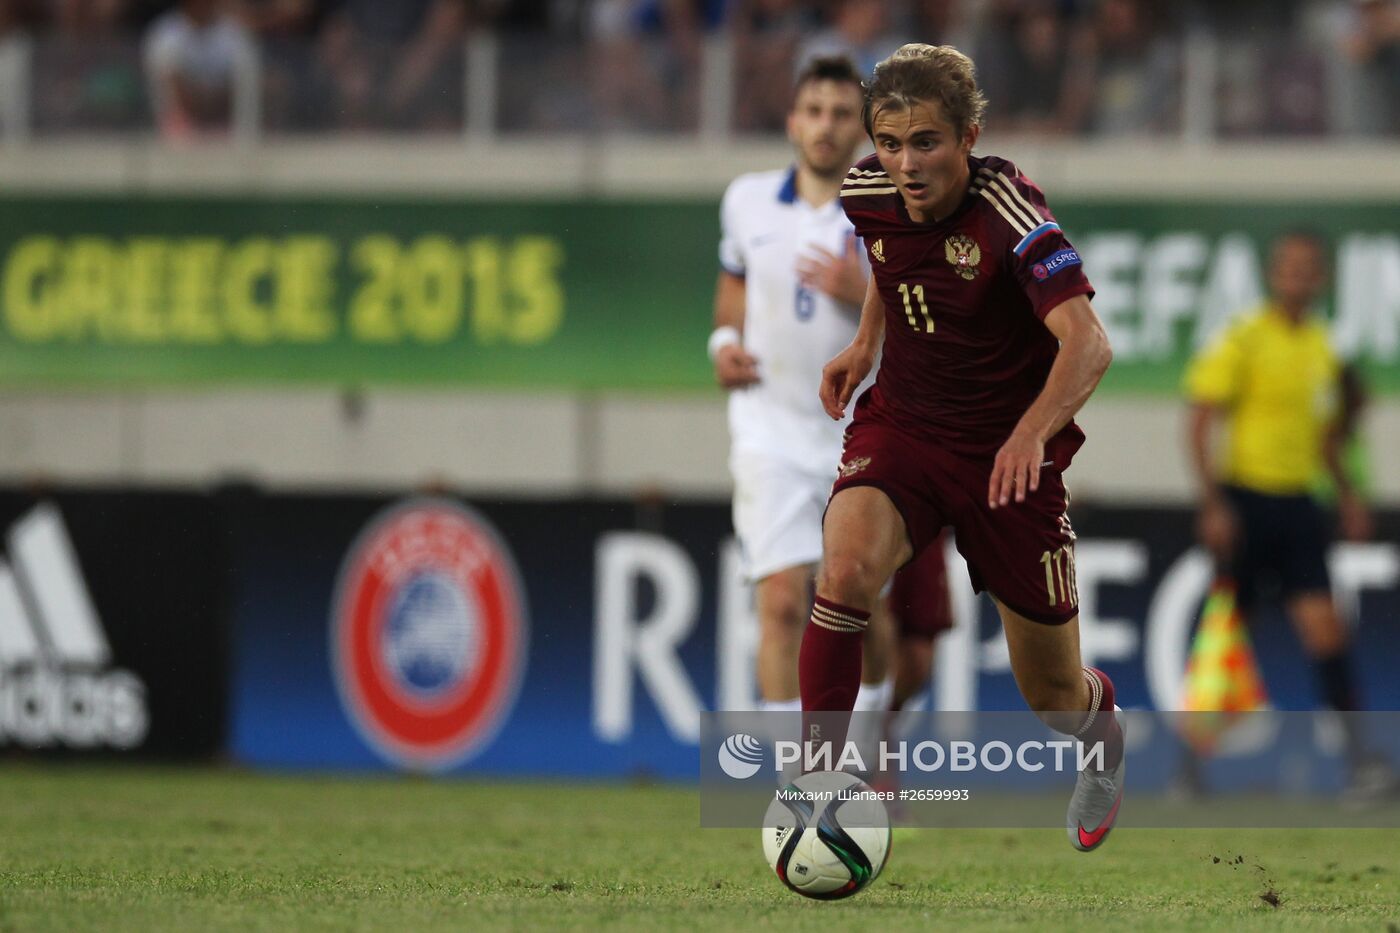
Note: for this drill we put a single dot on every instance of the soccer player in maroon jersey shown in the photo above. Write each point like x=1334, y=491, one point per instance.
x=990, y=346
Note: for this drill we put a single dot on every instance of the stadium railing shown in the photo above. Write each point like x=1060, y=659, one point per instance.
x=1213, y=84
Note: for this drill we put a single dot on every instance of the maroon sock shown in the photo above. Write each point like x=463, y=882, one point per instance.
x=1100, y=723
x=828, y=671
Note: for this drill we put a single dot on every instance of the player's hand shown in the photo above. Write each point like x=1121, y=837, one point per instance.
x=841, y=376
x=1016, y=470
x=735, y=367
x=841, y=277
x=1354, y=518
x=1216, y=527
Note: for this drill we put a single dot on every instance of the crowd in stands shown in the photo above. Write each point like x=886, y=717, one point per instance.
x=1101, y=67
x=319, y=64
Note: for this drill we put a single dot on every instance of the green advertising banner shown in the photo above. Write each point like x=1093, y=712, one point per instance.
x=117, y=291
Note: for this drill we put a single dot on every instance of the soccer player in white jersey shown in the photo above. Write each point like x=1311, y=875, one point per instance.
x=788, y=298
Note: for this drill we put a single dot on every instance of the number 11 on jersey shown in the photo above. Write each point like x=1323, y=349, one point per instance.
x=918, y=293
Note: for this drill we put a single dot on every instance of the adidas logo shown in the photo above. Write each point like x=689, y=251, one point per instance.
x=57, y=685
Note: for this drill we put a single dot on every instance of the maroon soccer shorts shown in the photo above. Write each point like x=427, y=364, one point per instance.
x=1022, y=553
x=919, y=594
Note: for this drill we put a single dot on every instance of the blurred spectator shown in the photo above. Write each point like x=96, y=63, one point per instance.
x=282, y=21
x=18, y=16
x=860, y=30
x=553, y=16
x=541, y=47
x=1271, y=77
x=396, y=64
x=644, y=58
x=194, y=55
x=85, y=18
x=141, y=13
x=1124, y=73
x=1293, y=85
x=766, y=37
x=1025, y=64
x=1373, y=42
x=87, y=69
x=941, y=22
x=296, y=93
x=627, y=91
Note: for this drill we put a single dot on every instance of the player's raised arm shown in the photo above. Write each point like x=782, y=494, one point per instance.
x=734, y=366
x=841, y=376
x=1082, y=360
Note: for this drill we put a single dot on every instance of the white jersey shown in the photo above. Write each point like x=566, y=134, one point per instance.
x=793, y=331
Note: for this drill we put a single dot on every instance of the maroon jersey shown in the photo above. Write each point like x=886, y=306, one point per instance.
x=966, y=350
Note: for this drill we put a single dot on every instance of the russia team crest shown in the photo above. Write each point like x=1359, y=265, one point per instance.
x=428, y=633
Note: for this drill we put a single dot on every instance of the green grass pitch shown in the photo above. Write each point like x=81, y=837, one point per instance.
x=173, y=849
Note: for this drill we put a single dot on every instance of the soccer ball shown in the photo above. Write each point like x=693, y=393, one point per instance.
x=826, y=836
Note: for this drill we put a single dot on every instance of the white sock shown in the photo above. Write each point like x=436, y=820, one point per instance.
x=780, y=706
x=872, y=698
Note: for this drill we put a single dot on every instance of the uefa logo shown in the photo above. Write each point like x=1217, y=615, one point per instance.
x=428, y=634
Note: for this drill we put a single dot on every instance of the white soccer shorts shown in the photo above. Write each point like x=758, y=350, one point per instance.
x=777, y=512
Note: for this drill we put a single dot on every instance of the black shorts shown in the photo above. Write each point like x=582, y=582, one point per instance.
x=1282, y=546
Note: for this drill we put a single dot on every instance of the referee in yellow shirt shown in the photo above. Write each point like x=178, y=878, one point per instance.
x=1273, y=379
